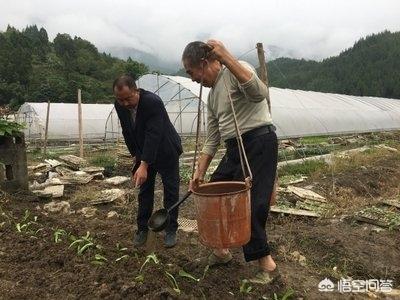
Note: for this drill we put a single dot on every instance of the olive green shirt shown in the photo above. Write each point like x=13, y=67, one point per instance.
x=249, y=102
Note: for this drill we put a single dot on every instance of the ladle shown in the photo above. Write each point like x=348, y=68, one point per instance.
x=160, y=219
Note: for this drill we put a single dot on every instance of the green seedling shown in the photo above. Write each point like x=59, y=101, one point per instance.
x=99, y=259
x=185, y=274
x=173, y=282
x=205, y=271
x=120, y=248
x=83, y=243
x=151, y=257
x=58, y=234
x=139, y=278
x=84, y=247
x=245, y=287
x=126, y=256
x=288, y=295
x=25, y=225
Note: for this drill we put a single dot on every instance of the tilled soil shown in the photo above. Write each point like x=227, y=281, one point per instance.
x=34, y=266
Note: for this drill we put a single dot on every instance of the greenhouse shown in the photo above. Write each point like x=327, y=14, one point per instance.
x=295, y=113
x=63, y=121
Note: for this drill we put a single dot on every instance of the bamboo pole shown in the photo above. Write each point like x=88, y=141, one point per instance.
x=263, y=70
x=46, y=129
x=80, y=123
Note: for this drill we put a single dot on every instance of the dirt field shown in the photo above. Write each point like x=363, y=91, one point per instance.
x=34, y=266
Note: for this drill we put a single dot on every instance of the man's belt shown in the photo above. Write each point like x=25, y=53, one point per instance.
x=251, y=134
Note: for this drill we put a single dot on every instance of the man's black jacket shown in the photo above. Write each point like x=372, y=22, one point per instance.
x=152, y=138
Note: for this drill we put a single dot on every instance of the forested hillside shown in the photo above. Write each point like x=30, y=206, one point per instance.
x=370, y=68
x=34, y=69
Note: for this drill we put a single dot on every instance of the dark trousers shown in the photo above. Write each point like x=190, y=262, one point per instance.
x=262, y=154
x=170, y=179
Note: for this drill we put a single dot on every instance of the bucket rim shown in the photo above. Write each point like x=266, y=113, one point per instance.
x=245, y=188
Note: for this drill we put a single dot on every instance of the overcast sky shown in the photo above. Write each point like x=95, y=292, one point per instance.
x=312, y=29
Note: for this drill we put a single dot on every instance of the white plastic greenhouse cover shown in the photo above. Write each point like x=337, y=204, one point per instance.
x=295, y=113
x=180, y=96
x=63, y=120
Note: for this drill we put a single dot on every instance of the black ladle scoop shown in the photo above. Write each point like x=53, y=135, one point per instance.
x=160, y=219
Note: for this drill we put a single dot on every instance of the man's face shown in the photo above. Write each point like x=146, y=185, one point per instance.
x=196, y=72
x=126, y=97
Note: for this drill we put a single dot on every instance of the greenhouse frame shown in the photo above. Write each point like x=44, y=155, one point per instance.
x=295, y=113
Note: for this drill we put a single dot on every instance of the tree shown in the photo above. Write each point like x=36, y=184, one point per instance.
x=135, y=69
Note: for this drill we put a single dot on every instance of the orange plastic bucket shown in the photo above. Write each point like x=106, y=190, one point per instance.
x=223, y=213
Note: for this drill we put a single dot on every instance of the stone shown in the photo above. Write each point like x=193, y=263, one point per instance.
x=305, y=193
x=80, y=173
x=88, y=212
x=386, y=148
x=53, y=163
x=42, y=168
x=58, y=207
x=57, y=191
x=63, y=171
x=48, y=182
x=117, y=180
x=53, y=175
x=301, y=259
x=112, y=215
x=98, y=176
x=108, y=196
x=77, y=178
x=73, y=161
x=91, y=170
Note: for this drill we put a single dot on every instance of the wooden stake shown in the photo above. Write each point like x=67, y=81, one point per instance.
x=80, y=123
x=46, y=129
x=263, y=69
x=264, y=78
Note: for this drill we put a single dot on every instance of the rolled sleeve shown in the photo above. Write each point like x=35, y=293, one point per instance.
x=213, y=136
x=254, y=89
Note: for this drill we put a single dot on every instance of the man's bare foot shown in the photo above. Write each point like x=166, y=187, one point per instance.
x=267, y=263
x=221, y=252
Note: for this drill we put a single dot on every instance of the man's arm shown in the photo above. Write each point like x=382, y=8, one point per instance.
x=154, y=129
x=153, y=134
x=124, y=131
x=202, y=165
x=209, y=149
x=252, y=86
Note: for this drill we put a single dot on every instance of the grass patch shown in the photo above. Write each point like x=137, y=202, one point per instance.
x=305, y=168
x=314, y=140
x=365, y=158
x=105, y=160
x=185, y=173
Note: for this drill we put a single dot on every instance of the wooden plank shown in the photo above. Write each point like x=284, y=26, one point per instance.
x=293, y=211
x=371, y=221
x=395, y=203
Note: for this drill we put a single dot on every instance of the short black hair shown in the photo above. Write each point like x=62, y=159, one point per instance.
x=195, y=52
x=124, y=80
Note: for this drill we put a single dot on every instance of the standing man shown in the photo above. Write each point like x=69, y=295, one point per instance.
x=153, y=141
x=213, y=64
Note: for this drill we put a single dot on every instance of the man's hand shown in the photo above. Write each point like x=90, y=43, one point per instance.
x=195, y=181
x=219, y=52
x=140, y=175
x=198, y=176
